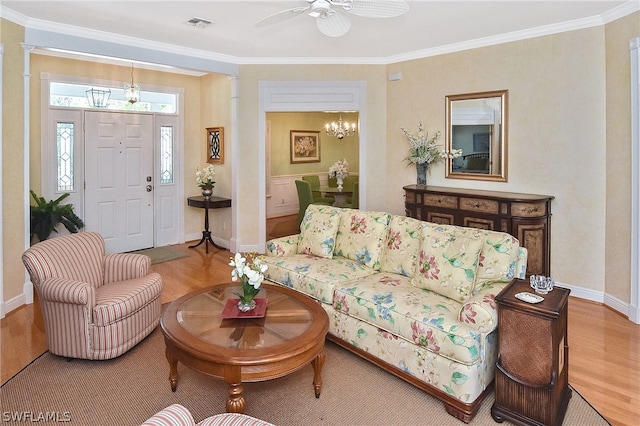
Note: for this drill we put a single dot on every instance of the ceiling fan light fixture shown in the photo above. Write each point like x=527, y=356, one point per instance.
x=319, y=8
x=334, y=24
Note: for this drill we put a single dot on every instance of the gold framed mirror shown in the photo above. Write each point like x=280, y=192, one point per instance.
x=476, y=123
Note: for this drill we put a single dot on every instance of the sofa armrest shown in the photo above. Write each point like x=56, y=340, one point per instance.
x=283, y=246
x=480, y=311
x=521, y=264
x=125, y=266
x=64, y=290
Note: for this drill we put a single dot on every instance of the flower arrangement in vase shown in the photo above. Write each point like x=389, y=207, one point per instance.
x=249, y=271
x=339, y=170
x=425, y=151
x=204, y=179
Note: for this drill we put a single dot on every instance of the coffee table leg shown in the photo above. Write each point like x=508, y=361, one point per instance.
x=173, y=370
x=317, y=363
x=235, y=403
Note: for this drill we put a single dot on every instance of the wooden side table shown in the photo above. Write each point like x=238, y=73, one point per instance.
x=532, y=380
x=207, y=203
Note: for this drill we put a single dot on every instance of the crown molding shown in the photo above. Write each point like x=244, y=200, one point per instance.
x=100, y=36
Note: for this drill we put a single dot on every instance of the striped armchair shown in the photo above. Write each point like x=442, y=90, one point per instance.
x=94, y=305
x=178, y=415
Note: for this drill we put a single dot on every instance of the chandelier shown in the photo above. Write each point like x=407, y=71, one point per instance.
x=131, y=91
x=340, y=129
x=98, y=98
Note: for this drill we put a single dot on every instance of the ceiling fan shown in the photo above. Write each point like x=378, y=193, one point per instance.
x=332, y=16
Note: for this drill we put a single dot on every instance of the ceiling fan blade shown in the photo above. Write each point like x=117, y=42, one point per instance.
x=335, y=24
x=281, y=16
x=378, y=8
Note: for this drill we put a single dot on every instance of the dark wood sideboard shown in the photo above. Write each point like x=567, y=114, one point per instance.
x=525, y=216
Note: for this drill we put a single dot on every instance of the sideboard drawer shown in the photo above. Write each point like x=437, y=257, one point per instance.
x=477, y=205
x=529, y=209
x=440, y=201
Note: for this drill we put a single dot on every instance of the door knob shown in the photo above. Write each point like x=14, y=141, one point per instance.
x=149, y=188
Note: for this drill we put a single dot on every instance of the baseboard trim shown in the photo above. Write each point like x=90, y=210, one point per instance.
x=600, y=297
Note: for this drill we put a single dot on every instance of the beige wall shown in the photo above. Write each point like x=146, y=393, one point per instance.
x=556, y=133
x=215, y=112
x=618, y=155
x=13, y=132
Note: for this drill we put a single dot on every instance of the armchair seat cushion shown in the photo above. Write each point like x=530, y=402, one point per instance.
x=120, y=299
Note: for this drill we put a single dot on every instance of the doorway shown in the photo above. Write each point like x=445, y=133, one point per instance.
x=304, y=96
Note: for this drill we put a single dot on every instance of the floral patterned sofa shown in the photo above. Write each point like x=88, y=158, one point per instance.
x=413, y=297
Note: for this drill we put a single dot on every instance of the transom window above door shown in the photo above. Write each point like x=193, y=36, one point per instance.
x=76, y=96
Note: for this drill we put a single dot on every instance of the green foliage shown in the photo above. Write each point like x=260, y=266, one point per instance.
x=46, y=215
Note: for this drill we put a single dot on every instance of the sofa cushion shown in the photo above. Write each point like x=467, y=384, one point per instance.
x=361, y=236
x=401, y=247
x=447, y=262
x=392, y=303
x=314, y=276
x=318, y=232
x=464, y=382
x=498, y=257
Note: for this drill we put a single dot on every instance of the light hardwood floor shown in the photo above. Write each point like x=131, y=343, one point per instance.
x=604, y=347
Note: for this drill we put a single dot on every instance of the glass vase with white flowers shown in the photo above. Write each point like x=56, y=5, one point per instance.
x=425, y=151
x=204, y=179
x=249, y=270
x=339, y=170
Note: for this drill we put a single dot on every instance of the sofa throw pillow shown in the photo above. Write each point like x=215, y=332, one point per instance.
x=447, y=264
x=361, y=236
x=318, y=232
x=401, y=246
x=498, y=258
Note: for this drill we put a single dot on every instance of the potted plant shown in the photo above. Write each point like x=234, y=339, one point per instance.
x=47, y=215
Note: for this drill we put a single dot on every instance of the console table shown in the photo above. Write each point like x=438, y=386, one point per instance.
x=207, y=203
x=525, y=216
x=532, y=379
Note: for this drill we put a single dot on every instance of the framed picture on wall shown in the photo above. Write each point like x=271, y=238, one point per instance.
x=305, y=146
x=215, y=145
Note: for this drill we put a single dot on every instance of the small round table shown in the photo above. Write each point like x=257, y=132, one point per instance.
x=291, y=334
x=207, y=203
x=340, y=195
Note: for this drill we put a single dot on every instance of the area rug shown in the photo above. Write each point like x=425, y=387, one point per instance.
x=129, y=389
x=162, y=254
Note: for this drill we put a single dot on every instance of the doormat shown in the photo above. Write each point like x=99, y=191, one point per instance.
x=162, y=254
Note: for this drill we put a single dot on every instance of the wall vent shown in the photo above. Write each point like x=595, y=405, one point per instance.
x=198, y=22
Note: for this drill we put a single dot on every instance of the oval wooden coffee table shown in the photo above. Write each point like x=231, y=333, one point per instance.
x=291, y=334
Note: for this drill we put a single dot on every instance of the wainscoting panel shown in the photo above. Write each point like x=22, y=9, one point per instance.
x=284, y=196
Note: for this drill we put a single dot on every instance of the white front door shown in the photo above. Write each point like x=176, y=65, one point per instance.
x=119, y=179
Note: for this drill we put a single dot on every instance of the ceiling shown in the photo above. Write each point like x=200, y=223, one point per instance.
x=429, y=28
